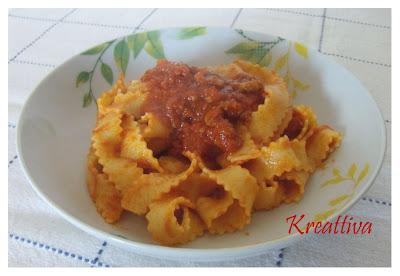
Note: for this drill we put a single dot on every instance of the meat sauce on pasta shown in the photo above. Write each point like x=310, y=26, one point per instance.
x=200, y=106
x=197, y=150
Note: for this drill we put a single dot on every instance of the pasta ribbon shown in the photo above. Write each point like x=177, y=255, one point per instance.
x=172, y=164
x=289, y=187
x=279, y=157
x=269, y=115
x=150, y=187
x=235, y=218
x=285, y=122
x=107, y=137
x=228, y=205
x=105, y=101
x=123, y=172
x=310, y=121
x=210, y=208
x=247, y=152
x=154, y=127
x=236, y=180
x=195, y=186
x=270, y=195
x=302, y=124
x=131, y=101
x=293, y=184
x=135, y=147
x=106, y=197
x=173, y=221
x=321, y=143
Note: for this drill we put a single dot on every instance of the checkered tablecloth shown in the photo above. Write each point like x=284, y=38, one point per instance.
x=41, y=39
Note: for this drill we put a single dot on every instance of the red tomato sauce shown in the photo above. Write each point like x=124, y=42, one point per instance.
x=201, y=107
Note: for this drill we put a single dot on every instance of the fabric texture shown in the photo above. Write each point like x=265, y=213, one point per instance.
x=41, y=39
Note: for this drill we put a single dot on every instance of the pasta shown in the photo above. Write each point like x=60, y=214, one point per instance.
x=102, y=191
x=150, y=187
x=197, y=150
x=172, y=220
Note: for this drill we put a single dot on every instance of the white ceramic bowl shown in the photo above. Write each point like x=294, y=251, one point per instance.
x=54, y=132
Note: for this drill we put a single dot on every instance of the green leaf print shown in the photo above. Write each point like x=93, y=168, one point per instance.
x=136, y=43
x=121, y=55
x=154, y=45
x=87, y=99
x=96, y=49
x=107, y=73
x=244, y=47
x=82, y=78
x=188, y=33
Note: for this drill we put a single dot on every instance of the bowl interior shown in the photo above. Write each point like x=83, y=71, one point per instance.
x=55, y=129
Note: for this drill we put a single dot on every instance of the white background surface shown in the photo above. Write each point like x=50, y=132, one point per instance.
x=41, y=39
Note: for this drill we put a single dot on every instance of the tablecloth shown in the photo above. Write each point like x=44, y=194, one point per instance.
x=41, y=39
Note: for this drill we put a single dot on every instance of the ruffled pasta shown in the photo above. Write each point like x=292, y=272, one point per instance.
x=270, y=115
x=293, y=184
x=123, y=172
x=150, y=187
x=234, y=185
x=236, y=180
x=321, y=143
x=285, y=122
x=107, y=137
x=105, y=101
x=154, y=128
x=270, y=195
x=130, y=165
x=247, y=152
x=235, y=218
x=106, y=197
x=212, y=207
x=133, y=146
x=172, y=220
x=302, y=123
x=131, y=101
x=172, y=164
x=310, y=121
x=281, y=172
x=279, y=157
x=92, y=170
x=195, y=186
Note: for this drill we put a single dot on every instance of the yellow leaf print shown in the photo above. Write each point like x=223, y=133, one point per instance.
x=332, y=181
x=281, y=62
x=323, y=216
x=336, y=172
x=363, y=173
x=286, y=79
x=301, y=49
x=352, y=170
x=301, y=86
x=338, y=200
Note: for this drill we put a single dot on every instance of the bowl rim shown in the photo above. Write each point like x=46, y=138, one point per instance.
x=207, y=254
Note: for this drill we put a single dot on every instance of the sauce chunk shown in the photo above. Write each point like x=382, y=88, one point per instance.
x=201, y=107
